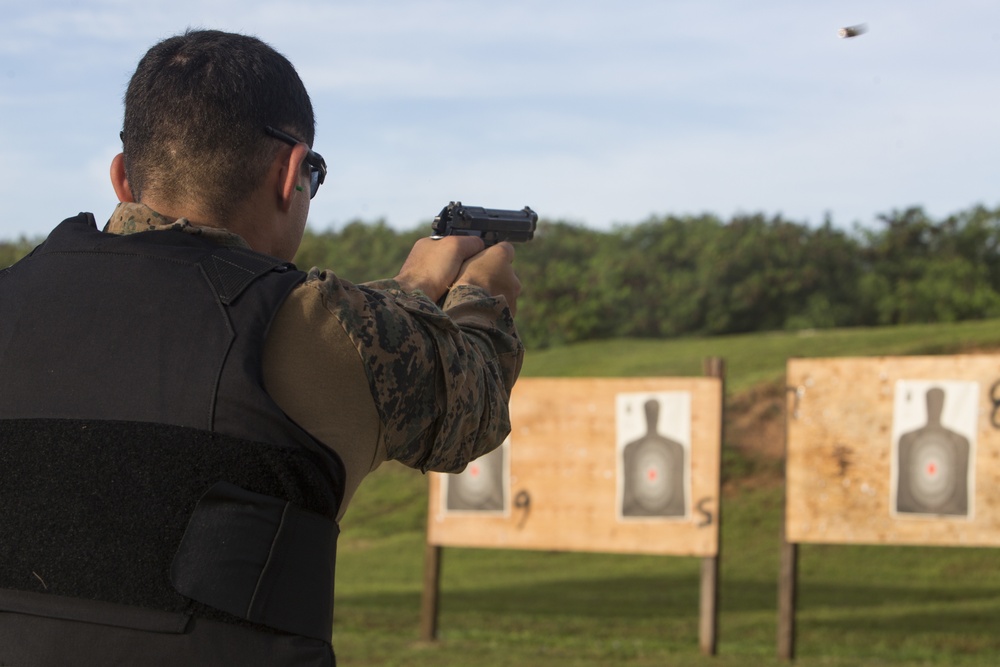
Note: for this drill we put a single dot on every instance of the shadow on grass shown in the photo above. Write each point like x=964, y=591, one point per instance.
x=676, y=596
x=831, y=595
x=940, y=621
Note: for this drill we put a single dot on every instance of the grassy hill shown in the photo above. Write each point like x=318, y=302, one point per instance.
x=755, y=358
x=858, y=605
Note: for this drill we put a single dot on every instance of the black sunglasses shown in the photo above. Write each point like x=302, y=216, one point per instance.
x=317, y=165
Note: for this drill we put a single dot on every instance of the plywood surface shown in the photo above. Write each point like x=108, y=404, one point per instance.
x=894, y=450
x=565, y=472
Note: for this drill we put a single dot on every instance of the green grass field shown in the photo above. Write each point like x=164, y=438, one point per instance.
x=858, y=605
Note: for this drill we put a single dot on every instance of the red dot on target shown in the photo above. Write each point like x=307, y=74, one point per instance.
x=474, y=470
x=651, y=475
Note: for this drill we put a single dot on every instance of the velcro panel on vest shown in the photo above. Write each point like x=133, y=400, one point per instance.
x=97, y=510
x=259, y=558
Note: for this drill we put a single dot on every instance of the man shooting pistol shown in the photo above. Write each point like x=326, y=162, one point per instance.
x=490, y=224
x=177, y=501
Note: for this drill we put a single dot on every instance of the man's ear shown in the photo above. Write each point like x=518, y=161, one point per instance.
x=119, y=181
x=291, y=182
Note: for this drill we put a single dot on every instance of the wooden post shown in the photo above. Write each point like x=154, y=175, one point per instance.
x=709, y=620
x=788, y=566
x=431, y=594
x=708, y=635
x=787, y=586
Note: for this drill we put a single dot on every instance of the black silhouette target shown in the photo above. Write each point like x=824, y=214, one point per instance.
x=933, y=461
x=654, y=466
x=481, y=486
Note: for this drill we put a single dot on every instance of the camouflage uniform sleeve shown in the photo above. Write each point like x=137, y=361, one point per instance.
x=440, y=379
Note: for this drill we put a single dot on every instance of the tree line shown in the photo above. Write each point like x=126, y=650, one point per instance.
x=701, y=275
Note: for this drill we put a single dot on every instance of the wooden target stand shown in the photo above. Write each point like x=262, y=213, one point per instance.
x=888, y=450
x=609, y=465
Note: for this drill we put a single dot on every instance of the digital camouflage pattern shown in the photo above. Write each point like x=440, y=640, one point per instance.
x=441, y=389
x=440, y=378
x=130, y=218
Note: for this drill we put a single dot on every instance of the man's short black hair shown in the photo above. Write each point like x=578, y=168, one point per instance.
x=195, y=112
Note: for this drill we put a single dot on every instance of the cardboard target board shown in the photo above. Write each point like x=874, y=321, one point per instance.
x=894, y=450
x=624, y=465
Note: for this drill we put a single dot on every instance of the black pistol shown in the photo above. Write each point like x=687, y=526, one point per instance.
x=490, y=224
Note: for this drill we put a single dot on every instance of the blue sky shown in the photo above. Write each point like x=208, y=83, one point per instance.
x=594, y=112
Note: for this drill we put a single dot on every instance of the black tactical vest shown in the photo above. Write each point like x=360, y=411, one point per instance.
x=145, y=473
